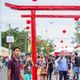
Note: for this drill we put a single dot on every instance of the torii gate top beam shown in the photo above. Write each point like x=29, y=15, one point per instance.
x=42, y=7
x=33, y=23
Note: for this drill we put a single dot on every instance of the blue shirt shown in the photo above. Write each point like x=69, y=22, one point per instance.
x=63, y=65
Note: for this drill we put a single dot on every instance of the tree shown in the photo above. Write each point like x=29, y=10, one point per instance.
x=19, y=41
x=77, y=34
x=45, y=46
x=19, y=38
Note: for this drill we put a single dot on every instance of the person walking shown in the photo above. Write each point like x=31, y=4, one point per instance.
x=76, y=67
x=38, y=65
x=62, y=66
x=27, y=65
x=13, y=67
x=50, y=67
x=56, y=71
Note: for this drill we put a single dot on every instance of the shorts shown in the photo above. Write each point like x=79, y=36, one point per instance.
x=27, y=76
x=76, y=70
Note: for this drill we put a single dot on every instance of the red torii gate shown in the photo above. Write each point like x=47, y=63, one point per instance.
x=33, y=23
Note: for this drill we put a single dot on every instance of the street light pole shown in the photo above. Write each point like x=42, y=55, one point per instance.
x=9, y=42
x=78, y=28
x=26, y=42
x=0, y=42
x=42, y=50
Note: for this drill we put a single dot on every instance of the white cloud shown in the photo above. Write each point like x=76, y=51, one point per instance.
x=48, y=2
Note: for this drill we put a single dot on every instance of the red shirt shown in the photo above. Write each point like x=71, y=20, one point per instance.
x=14, y=66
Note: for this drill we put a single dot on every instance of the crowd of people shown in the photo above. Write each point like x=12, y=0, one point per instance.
x=3, y=62
x=63, y=67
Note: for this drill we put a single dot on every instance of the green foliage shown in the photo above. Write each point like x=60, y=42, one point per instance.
x=19, y=38
x=77, y=33
x=46, y=44
x=19, y=41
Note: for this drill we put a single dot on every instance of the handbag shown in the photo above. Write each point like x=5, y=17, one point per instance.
x=43, y=72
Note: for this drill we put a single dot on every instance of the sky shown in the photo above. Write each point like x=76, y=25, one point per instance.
x=48, y=28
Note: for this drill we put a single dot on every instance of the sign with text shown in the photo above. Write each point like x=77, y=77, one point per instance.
x=10, y=39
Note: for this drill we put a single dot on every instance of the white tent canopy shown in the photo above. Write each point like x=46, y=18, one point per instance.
x=67, y=49
x=64, y=49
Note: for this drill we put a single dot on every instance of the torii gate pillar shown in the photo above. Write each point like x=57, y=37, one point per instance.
x=33, y=29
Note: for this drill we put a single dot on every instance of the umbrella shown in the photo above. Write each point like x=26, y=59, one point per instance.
x=62, y=51
x=55, y=53
x=65, y=49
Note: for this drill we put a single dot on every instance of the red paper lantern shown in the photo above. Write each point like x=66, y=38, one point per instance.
x=27, y=28
x=61, y=41
x=28, y=21
x=64, y=31
x=34, y=0
x=62, y=47
x=56, y=53
x=76, y=18
x=76, y=46
x=54, y=45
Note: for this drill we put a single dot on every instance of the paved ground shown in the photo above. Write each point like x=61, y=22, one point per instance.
x=3, y=75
